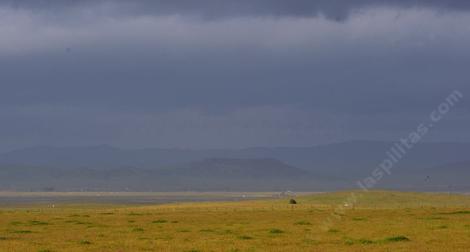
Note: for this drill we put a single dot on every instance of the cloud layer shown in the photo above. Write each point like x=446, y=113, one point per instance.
x=202, y=74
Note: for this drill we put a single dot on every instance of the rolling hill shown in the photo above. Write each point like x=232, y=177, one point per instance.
x=331, y=166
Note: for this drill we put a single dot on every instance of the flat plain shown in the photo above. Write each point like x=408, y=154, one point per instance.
x=337, y=221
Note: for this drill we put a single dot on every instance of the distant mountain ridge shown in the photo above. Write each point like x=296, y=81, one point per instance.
x=330, y=156
x=239, y=168
x=333, y=166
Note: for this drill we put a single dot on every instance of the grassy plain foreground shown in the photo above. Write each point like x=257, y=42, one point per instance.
x=380, y=221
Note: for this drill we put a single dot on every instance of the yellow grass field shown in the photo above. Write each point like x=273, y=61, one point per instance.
x=379, y=221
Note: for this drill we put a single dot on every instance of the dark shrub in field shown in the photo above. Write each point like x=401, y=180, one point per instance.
x=292, y=201
x=302, y=223
x=137, y=229
x=276, y=231
x=397, y=238
x=22, y=231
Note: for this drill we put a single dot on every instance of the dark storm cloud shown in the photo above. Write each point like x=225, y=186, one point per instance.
x=256, y=63
x=152, y=82
x=334, y=9
x=152, y=73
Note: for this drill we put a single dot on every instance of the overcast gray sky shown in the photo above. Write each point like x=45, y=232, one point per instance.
x=210, y=73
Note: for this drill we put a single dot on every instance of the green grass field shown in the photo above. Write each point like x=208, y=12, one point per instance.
x=380, y=221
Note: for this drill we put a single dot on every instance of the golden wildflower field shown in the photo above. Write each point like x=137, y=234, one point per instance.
x=379, y=221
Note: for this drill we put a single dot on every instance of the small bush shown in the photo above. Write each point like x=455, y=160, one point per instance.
x=77, y=222
x=397, y=238
x=206, y=230
x=22, y=231
x=365, y=241
x=107, y=213
x=245, y=237
x=433, y=218
x=459, y=212
x=292, y=201
x=38, y=223
x=159, y=221
x=138, y=230
x=275, y=231
x=84, y=242
x=302, y=223
x=349, y=242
